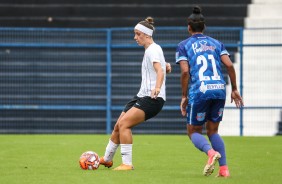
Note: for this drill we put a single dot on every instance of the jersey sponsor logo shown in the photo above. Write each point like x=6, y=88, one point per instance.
x=204, y=87
x=201, y=116
x=202, y=47
x=215, y=86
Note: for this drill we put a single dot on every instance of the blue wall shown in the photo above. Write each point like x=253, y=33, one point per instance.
x=77, y=80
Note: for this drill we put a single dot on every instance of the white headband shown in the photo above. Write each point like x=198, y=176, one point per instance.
x=144, y=29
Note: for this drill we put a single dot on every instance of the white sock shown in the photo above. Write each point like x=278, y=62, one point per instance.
x=126, y=153
x=110, y=151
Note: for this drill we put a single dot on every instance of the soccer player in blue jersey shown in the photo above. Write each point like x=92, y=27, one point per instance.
x=199, y=58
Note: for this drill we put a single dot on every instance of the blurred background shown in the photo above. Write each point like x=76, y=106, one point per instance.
x=71, y=66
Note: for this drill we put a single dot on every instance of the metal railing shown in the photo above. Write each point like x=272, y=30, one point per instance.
x=104, y=42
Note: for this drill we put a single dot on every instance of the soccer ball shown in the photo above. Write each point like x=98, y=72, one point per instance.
x=89, y=160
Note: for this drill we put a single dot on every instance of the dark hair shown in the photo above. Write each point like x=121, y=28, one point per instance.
x=148, y=22
x=196, y=20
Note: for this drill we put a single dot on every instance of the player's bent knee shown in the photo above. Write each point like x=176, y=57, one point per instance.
x=123, y=125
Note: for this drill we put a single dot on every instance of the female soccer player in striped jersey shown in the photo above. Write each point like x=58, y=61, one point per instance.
x=199, y=58
x=146, y=104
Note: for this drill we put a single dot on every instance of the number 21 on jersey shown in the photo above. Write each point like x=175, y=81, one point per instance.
x=201, y=59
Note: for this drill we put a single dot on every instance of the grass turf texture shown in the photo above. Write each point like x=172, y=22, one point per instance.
x=166, y=159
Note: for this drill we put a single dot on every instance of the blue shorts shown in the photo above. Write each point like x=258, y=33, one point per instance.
x=199, y=113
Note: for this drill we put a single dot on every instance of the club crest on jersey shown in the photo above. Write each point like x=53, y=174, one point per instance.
x=201, y=116
x=202, y=47
x=220, y=112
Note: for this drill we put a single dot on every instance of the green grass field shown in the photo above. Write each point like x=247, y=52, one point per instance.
x=158, y=159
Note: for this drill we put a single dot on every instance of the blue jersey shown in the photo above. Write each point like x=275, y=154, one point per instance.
x=203, y=55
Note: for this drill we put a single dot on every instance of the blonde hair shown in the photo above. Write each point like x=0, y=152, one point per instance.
x=148, y=22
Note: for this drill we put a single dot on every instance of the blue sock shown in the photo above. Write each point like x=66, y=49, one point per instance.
x=218, y=145
x=200, y=142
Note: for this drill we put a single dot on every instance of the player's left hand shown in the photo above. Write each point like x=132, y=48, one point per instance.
x=168, y=68
x=235, y=96
x=155, y=92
